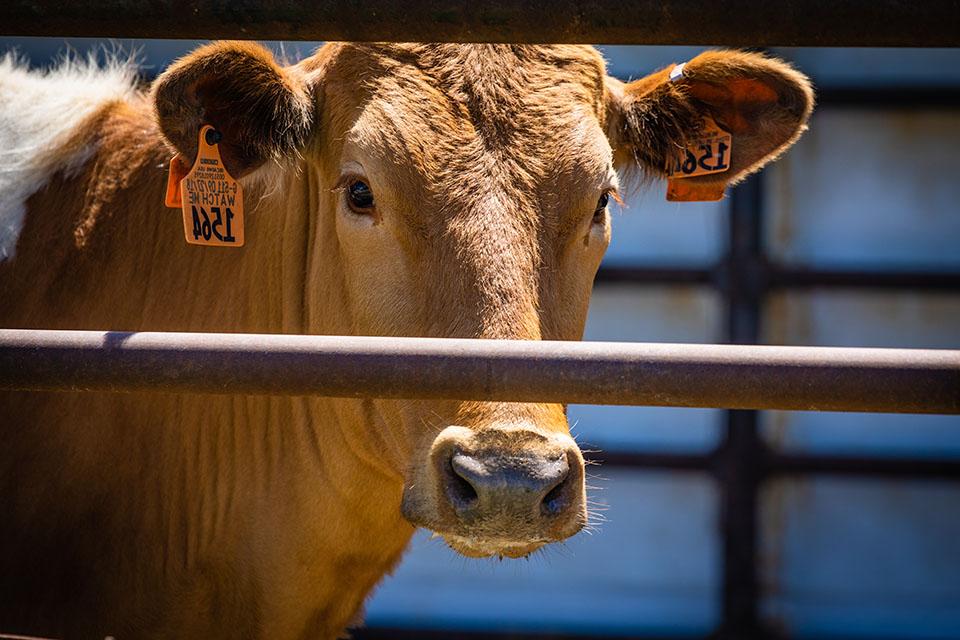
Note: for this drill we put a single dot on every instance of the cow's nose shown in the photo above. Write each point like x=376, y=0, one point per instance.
x=488, y=485
x=500, y=490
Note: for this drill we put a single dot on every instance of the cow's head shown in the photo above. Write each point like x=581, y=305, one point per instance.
x=462, y=191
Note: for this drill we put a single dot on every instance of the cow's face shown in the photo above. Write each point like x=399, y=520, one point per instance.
x=462, y=191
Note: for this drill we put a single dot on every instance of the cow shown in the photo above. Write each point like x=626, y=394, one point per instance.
x=391, y=190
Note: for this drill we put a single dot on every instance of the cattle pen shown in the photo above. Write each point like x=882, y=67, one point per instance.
x=737, y=376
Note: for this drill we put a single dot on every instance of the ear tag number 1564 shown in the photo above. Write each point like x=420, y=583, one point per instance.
x=708, y=154
x=210, y=198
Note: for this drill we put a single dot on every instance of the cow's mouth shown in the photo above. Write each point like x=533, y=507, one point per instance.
x=489, y=547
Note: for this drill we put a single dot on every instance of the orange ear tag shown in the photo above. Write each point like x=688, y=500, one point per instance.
x=708, y=154
x=178, y=171
x=211, y=200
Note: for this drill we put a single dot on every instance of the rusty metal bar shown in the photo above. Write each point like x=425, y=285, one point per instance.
x=684, y=375
x=864, y=23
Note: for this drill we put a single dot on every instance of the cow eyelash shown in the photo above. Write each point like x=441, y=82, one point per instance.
x=600, y=213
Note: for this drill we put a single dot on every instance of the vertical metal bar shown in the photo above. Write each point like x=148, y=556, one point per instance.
x=739, y=475
x=739, y=456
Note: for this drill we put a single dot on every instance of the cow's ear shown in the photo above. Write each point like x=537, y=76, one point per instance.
x=764, y=103
x=262, y=110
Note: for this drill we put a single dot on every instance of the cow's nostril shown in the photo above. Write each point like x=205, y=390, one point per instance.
x=558, y=498
x=460, y=491
x=492, y=486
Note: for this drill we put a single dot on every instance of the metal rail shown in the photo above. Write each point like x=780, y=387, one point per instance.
x=683, y=375
x=888, y=23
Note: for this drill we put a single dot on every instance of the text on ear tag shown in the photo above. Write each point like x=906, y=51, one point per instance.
x=707, y=155
x=212, y=200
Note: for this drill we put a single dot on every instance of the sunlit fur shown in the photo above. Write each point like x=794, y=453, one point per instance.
x=39, y=114
x=156, y=515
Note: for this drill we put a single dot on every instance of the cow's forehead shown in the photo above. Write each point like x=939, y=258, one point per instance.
x=479, y=73
x=443, y=105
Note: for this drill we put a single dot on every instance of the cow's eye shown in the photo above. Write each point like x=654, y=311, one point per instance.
x=600, y=213
x=360, y=197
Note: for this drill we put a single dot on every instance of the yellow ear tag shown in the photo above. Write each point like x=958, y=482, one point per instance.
x=708, y=154
x=211, y=200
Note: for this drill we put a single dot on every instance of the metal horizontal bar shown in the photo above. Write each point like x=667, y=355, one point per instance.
x=889, y=97
x=651, y=461
x=863, y=23
x=684, y=375
x=414, y=633
x=654, y=275
x=913, y=281
x=776, y=464
x=787, y=464
x=775, y=276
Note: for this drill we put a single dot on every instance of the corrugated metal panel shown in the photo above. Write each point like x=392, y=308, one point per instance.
x=869, y=189
x=863, y=558
x=871, y=67
x=650, y=230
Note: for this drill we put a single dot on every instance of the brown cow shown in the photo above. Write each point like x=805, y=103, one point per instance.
x=418, y=190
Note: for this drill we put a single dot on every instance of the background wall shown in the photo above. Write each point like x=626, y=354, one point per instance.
x=869, y=187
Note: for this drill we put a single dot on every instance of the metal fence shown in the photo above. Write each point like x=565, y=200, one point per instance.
x=741, y=378
x=823, y=23
x=676, y=375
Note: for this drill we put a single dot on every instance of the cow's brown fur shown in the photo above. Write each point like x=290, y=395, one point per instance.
x=152, y=515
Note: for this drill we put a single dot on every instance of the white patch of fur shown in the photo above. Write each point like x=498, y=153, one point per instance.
x=39, y=112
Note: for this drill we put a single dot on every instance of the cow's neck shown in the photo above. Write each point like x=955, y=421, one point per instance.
x=313, y=480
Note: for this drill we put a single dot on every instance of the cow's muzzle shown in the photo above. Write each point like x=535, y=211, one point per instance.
x=501, y=491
